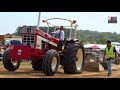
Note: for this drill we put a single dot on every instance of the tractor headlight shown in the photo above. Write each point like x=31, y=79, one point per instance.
x=29, y=30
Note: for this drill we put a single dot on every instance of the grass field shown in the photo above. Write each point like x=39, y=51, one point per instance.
x=22, y=63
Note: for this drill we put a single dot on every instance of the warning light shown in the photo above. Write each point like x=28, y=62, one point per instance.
x=43, y=20
x=74, y=21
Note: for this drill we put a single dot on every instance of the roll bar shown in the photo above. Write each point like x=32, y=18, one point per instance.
x=73, y=24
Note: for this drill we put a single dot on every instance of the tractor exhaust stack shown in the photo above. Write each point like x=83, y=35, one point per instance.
x=38, y=20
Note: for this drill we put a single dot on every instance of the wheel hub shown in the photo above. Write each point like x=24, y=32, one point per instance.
x=79, y=59
x=14, y=62
x=54, y=63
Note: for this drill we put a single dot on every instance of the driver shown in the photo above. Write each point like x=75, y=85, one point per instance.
x=61, y=35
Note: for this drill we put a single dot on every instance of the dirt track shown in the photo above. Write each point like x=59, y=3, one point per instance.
x=25, y=71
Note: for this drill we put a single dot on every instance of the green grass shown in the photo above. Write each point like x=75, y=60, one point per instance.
x=25, y=63
x=22, y=63
x=1, y=63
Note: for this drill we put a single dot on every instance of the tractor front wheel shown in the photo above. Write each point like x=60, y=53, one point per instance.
x=51, y=62
x=9, y=64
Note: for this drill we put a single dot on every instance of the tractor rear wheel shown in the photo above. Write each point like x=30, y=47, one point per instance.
x=37, y=64
x=73, y=58
x=9, y=64
x=51, y=62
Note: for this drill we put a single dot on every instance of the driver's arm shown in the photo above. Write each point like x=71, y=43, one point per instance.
x=56, y=32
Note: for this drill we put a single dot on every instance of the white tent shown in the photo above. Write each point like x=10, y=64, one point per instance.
x=99, y=45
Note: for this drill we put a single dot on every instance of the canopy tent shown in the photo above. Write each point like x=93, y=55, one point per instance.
x=100, y=46
x=95, y=47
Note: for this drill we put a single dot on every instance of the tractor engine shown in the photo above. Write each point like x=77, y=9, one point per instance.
x=35, y=43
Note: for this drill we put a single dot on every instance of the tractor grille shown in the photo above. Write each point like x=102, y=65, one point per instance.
x=29, y=40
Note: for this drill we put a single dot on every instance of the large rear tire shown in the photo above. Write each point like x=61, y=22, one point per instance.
x=37, y=64
x=9, y=64
x=73, y=58
x=51, y=62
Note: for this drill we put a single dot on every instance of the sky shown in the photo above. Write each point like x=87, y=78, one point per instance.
x=94, y=21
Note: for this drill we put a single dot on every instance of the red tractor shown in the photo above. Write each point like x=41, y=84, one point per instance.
x=41, y=49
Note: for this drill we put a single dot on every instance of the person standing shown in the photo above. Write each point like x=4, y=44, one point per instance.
x=1, y=52
x=110, y=54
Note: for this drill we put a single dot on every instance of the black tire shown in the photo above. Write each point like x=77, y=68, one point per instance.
x=7, y=63
x=70, y=58
x=47, y=61
x=37, y=64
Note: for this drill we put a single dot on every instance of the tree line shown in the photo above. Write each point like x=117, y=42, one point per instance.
x=86, y=36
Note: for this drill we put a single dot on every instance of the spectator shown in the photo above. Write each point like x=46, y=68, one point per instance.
x=1, y=52
x=111, y=55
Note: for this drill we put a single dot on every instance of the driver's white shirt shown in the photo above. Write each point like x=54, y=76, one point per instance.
x=62, y=34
